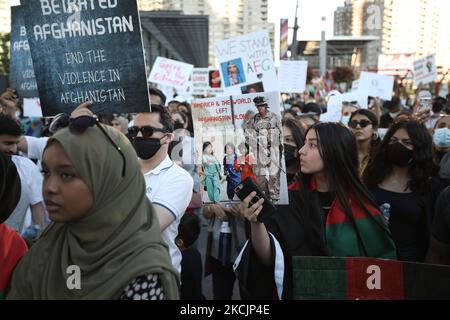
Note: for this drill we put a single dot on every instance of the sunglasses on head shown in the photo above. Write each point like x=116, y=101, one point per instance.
x=147, y=131
x=363, y=123
x=79, y=125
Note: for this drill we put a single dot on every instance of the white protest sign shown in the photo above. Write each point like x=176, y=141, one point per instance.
x=335, y=105
x=246, y=64
x=235, y=121
x=206, y=82
x=292, y=76
x=200, y=81
x=32, y=108
x=171, y=73
x=376, y=85
x=425, y=70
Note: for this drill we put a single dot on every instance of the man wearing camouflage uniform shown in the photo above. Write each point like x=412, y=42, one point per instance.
x=263, y=134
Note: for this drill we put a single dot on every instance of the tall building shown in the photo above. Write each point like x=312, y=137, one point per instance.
x=150, y=5
x=227, y=18
x=403, y=26
x=5, y=16
x=417, y=26
x=343, y=20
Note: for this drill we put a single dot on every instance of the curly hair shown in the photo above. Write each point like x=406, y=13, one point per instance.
x=422, y=167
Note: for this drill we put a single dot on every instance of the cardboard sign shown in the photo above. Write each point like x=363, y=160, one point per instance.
x=206, y=82
x=21, y=71
x=319, y=278
x=171, y=73
x=335, y=105
x=425, y=70
x=87, y=50
x=32, y=108
x=292, y=76
x=246, y=64
x=395, y=64
x=253, y=152
x=376, y=85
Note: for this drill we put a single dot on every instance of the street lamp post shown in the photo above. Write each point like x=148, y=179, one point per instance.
x=323, y=49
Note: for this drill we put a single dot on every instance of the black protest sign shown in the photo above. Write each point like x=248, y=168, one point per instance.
x=87, y=50
x=21, y=72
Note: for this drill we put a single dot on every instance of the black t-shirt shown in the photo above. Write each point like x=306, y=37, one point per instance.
x=441, y=223
x=407, y=222
x=326, y=200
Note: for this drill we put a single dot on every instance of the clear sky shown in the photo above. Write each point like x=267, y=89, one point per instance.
x=309, y=15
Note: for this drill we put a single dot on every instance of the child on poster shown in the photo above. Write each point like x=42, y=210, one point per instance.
x=211, y=169
x=233, y=175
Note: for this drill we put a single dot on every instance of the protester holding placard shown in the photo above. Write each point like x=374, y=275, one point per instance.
x=331, y=213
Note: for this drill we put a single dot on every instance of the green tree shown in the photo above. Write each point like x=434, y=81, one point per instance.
x=4, y=53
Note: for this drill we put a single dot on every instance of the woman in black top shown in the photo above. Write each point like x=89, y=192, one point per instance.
x=400, y=178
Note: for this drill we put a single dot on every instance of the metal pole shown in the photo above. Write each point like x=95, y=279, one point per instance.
x=294, y=47
x=323, y=50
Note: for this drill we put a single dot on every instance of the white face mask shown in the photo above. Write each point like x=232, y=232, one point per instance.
x=345, y=120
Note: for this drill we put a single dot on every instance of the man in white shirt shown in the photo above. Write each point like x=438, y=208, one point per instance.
x=169, y=187
x=30, y=177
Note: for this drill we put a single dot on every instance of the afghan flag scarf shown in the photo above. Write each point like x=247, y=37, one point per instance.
x=365, y=236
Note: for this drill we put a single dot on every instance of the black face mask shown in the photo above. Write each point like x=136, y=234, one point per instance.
x=290, y=155
x=178, y=125
x=399, y=155
x=146, y=148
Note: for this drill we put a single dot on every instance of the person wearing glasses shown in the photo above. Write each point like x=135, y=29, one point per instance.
x=364, y=125
x=402, y=178
x=169, y=187
x=105, y=241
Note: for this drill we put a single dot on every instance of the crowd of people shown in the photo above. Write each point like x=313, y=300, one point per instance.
x=110, y=207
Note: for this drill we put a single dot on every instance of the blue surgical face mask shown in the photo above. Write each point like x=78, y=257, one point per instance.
x=346, y=120
x=441, y=138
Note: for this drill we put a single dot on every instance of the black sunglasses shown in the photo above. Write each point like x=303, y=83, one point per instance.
x=147, y=131
x=79, y=125
x=363, y=123
x=349, y=103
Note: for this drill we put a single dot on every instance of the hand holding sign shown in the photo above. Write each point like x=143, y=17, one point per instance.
x=82, y=110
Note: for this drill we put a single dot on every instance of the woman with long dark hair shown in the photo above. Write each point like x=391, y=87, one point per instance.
x=364, y=125
x=330, y=214
x=400, y=178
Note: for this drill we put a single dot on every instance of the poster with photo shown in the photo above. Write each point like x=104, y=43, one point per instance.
x=246, y=60
x=240, y=137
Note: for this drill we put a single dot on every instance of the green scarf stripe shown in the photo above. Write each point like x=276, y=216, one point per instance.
x=342, y=240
